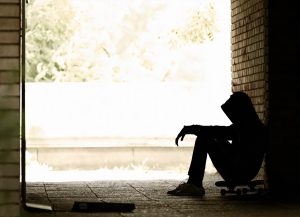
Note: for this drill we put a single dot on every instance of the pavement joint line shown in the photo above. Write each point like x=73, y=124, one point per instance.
x=48, y=199
x=89, y=187
x=141, y=192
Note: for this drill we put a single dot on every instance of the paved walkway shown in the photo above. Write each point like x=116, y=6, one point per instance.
x=150, y=199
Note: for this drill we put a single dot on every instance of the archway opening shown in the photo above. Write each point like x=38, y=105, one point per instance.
x=110, y=84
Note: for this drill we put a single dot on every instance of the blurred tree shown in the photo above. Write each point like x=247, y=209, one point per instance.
x=199, y=26
x=49, y=26
x=116, y=40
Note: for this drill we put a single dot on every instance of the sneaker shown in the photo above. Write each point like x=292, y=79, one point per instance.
x=187, y=189
x=178, y=188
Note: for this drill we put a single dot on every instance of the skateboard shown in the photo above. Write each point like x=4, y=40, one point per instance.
x=240, y=188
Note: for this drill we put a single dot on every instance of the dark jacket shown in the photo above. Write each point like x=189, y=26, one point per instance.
x=248, y=133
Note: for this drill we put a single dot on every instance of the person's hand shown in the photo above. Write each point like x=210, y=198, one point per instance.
x=181, y=135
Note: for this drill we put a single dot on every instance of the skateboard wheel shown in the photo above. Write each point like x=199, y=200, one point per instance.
x=260, y=190
x=223, y=192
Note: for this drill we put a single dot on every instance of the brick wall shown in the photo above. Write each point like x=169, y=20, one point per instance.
x=265, y=63
x=249, y=54
x=9, y=108
x=249, y=51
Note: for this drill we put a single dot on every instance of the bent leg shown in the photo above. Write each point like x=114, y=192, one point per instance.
x=198, y=162
x=221, y=155
x=194, y=187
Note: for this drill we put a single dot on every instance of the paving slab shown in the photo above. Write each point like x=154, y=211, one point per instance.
x=151, y=199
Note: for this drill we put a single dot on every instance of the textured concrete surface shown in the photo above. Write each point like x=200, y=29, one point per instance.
x=91, y=158
x=151, y=199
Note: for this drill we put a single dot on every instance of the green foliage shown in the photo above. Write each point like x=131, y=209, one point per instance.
x=49, y=26
x=109, y=40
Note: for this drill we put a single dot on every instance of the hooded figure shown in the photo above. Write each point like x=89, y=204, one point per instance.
x=237, y=151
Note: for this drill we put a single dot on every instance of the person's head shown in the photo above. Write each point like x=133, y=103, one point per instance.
x=239, y=109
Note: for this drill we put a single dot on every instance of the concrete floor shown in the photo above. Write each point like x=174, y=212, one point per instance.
x=150, y=199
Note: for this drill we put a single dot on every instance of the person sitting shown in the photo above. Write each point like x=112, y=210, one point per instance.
x=236, y=151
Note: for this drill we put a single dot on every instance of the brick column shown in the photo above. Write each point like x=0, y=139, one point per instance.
x=9, y=108
x=249, y=51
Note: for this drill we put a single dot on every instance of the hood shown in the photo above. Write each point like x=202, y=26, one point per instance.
x=239, y=109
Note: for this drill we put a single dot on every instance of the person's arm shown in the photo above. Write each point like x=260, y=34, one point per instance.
x=221, y=132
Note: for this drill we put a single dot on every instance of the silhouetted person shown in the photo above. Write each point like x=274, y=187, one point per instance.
x=236, y=151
